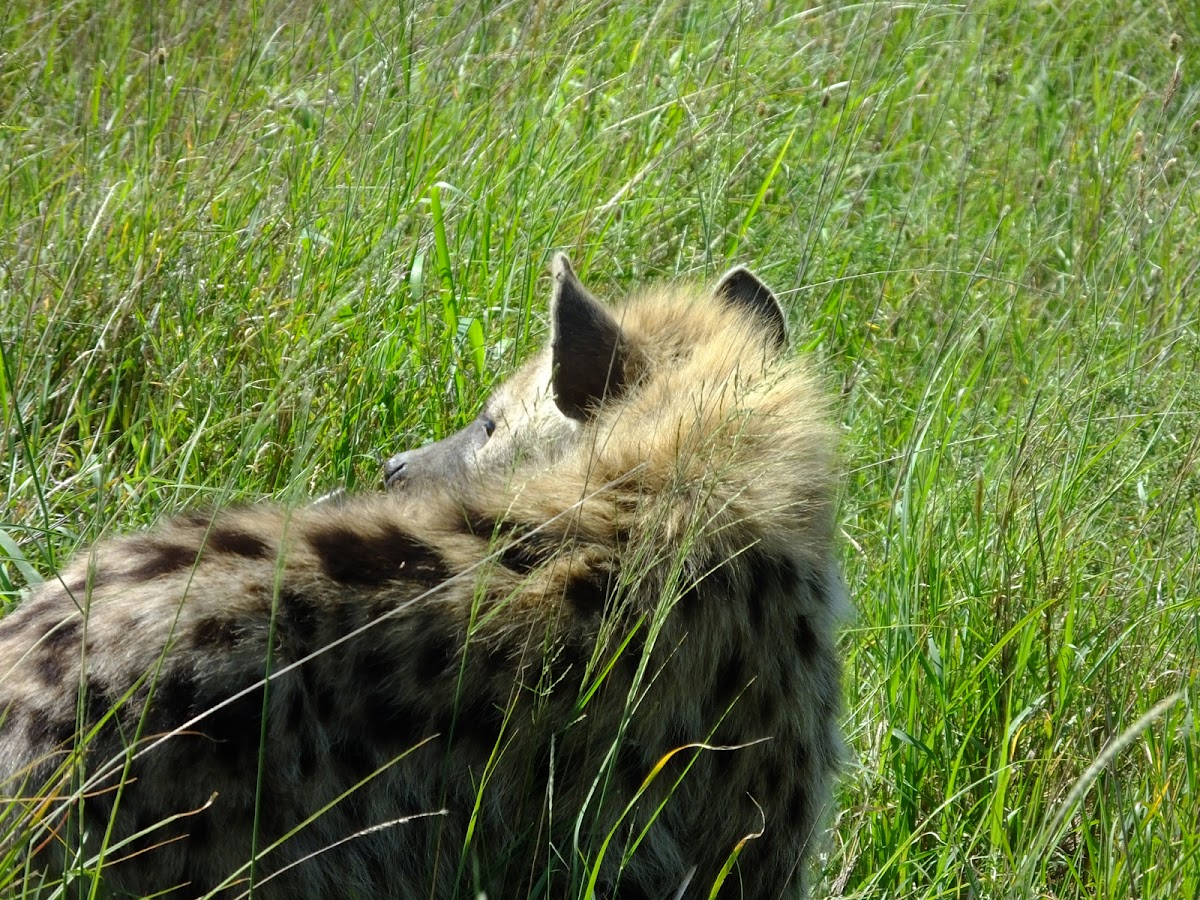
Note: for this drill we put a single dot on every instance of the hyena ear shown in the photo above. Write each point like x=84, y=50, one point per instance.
x=741, y=287
x=588, y=352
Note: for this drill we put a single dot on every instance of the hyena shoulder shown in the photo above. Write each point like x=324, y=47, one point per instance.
x=589, y=639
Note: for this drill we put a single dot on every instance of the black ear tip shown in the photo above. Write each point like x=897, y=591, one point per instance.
x=561, y=268
x=740, y=282
x=742, y=288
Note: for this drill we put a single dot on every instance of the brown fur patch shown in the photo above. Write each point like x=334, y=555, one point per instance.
x=161, y=558
x=376, y=557
x=63, y=637
x=237, y=543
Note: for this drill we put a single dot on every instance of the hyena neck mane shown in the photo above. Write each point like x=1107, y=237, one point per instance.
x=674, y=427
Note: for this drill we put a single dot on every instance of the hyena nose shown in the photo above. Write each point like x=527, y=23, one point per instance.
x=442, y=462
x=395, y=469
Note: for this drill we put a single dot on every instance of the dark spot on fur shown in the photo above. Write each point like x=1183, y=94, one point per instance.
x=492, y=657
x=772, y=775
x=174, y=699
x=435, y=654
x=573, y=658
x=761, y=575
x=295, y=708
x=631, y=656
x=802, y=760
x=78, y=588
x=679, y=734
x=771, y=578
x=587, y=595
x=345, y=618
x=379, y=872
x=146, y=820
x=480, y=524
x=805, y=638
x=725, y=762
x=798, y=811
x=260, y=592
x=162, y=559
x=324, y=699
x=63, y=637
x=517, y=549
x=713, y=587
x=523, y=556
x=308, y=760
x=237, y=543
x=768, y=709
x=689, y=603
x=378, y=556
x=11, y=712
x=43, y=730
x=633, y=765
x=376, y=665
x=731, y=679
x=51, y=668
x=196, y=519
x=97, y=807
x=390, y=721
x=831, y=703
x=216, y=633
x=236, y=729
x=810, y=585
x=378, y=668
x=97, y=701
x=478, y=724
x=72, y=587
x=355, y=756
x=200, y=829
x=542, y=761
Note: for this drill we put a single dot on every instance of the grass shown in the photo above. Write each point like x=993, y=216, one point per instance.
x=248, y=248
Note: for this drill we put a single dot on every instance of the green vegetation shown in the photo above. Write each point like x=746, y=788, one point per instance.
x=248, y=248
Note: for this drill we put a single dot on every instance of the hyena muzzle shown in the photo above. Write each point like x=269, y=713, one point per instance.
x=585, y=647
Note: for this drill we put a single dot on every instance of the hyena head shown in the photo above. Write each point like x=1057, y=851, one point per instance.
x=595, y=356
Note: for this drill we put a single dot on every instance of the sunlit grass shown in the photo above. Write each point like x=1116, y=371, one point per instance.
x=248, y=249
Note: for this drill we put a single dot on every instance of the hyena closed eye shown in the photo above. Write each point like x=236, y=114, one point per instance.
x=584, y=645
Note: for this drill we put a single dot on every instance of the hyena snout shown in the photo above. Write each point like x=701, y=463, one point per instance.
x=445, y=461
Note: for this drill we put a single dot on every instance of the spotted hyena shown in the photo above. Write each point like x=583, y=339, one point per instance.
x=583, y=648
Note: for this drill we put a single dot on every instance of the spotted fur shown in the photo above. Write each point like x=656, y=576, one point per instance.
x=589, y=640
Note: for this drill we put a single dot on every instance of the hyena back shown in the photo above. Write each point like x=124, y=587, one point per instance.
x=587, y=643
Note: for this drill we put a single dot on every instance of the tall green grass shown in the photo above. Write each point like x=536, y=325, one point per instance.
x=246, y=249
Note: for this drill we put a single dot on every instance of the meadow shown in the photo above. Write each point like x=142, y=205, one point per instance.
x=249, y=248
